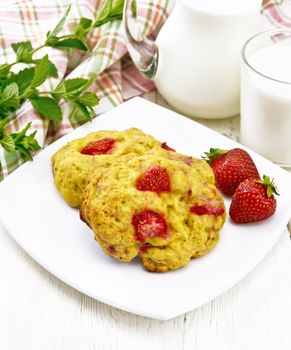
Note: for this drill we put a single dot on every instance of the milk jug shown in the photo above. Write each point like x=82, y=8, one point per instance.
x=195, y=60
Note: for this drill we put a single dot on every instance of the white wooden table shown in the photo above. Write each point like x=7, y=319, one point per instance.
x=39, y=312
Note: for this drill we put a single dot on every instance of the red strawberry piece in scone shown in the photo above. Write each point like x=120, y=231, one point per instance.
x=143, y=249
x=186, y=160
x=231, y=168
x=148, y=224
x=208, y=207
x=167, y=148
x=155, y=179
x=253, y=201
x=103, y=146
x=111, y=249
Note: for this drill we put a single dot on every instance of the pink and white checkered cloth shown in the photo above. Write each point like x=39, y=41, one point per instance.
x=118, y=79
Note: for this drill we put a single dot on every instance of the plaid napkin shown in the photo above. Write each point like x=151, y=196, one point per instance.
x=117, y=80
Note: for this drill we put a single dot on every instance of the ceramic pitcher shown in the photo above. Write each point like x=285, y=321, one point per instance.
x=195, y=60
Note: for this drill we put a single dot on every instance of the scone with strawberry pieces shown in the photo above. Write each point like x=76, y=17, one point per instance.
x=155, y=207
x=74, y=162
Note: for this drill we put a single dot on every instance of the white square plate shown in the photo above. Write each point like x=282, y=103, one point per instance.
x=52, y=233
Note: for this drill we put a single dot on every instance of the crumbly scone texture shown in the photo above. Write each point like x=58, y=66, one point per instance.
x=111, y=200
x=71, y=168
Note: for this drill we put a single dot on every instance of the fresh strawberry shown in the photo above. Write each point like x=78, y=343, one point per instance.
x=253, y=201
x=231, y=168
x=103, y=146
x=149, y=224
x=155, y=179
x=167, y=148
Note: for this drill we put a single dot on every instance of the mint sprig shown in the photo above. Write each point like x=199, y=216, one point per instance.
x=21, y=141
x=25, y=144
x=25, y=85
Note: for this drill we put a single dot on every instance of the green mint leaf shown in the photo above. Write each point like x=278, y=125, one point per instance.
x=4, y=70
x=133, y=8
x=70, y=43
x=25, y=144
x=104, y=12
x=23, y=79
x=82, y=114
x=23, y=51
x=33, y=144
x=59, y=92
x=10, y=96
x=72, y=86
x=19, y=136
x=60, y=25
x=83, y=28
x=8, y=143
x=110, y=11
x=41, y=72
x=4, y=113
x=53, y=71
x=117, y=8
x=75, y=85
x=3, y=123
x=30, y=93
x=88, y=99
x=85, y=23
x=25, y=148
x=23, y=46
x=52, y=41
x=25, y=152
x=47, y=108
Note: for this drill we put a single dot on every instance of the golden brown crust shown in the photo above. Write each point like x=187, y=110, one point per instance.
x=111, y=199
x=71, y=169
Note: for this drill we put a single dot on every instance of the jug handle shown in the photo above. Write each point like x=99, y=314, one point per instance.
x=143, y=51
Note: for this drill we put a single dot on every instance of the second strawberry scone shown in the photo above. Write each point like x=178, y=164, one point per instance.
x=73, y=163
x=155, y=207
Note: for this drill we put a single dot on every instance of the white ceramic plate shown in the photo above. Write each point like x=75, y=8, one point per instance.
x=51, y=232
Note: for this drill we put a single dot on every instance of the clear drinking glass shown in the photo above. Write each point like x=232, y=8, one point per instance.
x=266, y=95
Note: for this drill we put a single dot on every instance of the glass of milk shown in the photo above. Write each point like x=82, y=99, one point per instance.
x=266, y=95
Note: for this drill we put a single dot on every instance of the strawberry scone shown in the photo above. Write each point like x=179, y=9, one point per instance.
x=74, y=162
x=155, y=207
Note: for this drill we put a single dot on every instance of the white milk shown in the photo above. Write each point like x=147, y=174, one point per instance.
x=199, y=55
x=266, y=104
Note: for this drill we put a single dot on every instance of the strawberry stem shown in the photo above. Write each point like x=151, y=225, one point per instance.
x=212, y=154
x=270, y=186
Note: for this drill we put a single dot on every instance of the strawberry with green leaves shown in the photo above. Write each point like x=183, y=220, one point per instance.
x=231, y=168
x=253, y=201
